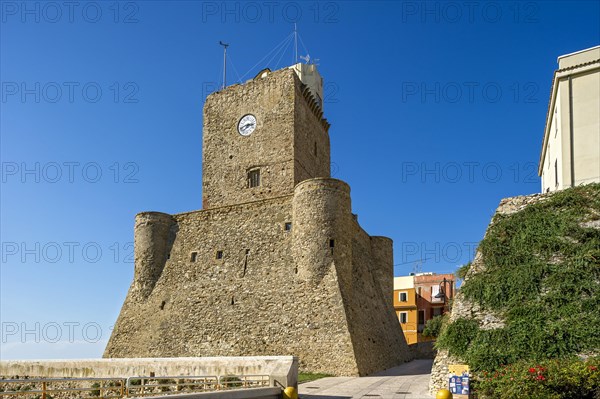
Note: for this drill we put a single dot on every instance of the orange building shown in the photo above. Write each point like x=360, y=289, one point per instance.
x=405, y=304
x=420, y=297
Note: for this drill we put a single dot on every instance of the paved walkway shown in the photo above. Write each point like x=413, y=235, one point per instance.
x=408, y=381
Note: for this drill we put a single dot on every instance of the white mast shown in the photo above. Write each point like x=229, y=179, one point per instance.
x=295, y=44
x=225, y=45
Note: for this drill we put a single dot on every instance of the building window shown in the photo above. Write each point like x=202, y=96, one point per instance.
x=419, y=291
x=315, y=148
x=219, y=255
x=288, y=226
x=556, y=172
x=437, y=312
x=435, y=290
x=421, y=317
x=403, y=297
x=193, y=256
x=254, y=178
x=403, y=316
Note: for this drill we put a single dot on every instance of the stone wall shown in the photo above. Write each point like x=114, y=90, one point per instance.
x=462, y=308
x=311, y=139
x=290, y=143
x=269, y=291
x=154, y=234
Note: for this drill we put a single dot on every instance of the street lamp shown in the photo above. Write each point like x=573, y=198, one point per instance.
x=442, y=291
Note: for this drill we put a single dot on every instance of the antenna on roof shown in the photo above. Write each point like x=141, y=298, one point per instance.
x=306, y=59
x=295, y=44
x=225, y=45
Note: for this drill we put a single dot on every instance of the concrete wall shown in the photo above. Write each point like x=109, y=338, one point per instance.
x=283, y=369
x=586, y=122
x=248, y=393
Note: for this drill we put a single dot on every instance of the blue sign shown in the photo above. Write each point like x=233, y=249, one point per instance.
x=459, y=384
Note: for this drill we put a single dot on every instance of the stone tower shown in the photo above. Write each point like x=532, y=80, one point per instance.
x=275, y=263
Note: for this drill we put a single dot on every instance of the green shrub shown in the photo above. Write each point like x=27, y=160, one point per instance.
x=461, y=272
x=434, y=326
x=550, y=379
x=541, y=273
x=457, y=336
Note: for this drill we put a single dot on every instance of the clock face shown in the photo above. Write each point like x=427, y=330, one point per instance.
x=247, y=125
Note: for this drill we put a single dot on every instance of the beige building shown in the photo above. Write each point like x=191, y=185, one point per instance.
x=571, y=147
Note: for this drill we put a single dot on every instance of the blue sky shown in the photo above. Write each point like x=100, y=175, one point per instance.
x=437, y=112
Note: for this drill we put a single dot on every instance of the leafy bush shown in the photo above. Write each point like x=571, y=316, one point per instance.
x=551, y=379
x=434, y=326
x=541, y=273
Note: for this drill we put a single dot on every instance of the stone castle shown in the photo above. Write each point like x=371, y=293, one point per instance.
x=275, y=263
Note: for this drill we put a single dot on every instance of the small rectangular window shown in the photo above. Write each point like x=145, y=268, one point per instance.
x=254, y=178
x=331, y=243
x=288, y=226
x=193, y=256
x=219, y=255
x=403, y=317
x=403, y=297
x=556, y=172
x=421, y=317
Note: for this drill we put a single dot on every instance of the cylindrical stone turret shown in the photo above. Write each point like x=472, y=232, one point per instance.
x=154, y=234
x=321, y=224
x=382, y=252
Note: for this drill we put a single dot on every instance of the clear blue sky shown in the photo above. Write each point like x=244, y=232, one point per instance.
x=437, y=112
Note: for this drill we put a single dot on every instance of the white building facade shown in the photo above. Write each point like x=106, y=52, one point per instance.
x=571, y=148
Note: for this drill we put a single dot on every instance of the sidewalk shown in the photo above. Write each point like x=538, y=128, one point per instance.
x=407, y=381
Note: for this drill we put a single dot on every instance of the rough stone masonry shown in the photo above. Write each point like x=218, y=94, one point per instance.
x=275, y=263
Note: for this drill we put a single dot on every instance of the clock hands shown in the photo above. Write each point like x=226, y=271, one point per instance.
x=246, y=126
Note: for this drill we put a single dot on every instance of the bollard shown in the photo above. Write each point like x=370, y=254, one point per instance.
x=443, y=394
x=290, y=393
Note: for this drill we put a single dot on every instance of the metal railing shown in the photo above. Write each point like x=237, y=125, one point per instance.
x=116, y=388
